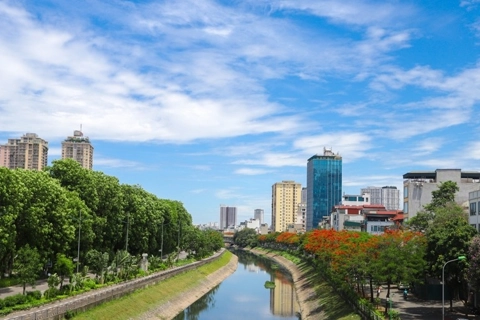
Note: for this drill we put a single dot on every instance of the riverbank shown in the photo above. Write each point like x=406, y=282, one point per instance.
x=315, y=297
x=183, y=300
x=169, y=297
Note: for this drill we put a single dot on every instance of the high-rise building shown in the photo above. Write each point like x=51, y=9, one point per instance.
x=79, y=149
x=286, y=196
x=228, y=216
x=28, y=152
x=258, y=214
x=324, y=186
x=387, y=196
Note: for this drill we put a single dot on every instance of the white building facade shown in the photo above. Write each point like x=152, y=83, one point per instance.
x=419, y=185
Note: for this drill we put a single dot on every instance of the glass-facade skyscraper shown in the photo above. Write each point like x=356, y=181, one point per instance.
x=324, y=186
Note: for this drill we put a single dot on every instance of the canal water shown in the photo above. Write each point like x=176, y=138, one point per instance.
x=243, y=295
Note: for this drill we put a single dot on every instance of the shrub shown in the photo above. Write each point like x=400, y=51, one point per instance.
x=5, y=311
x=2, y=304
x=69, y=314
x=11, y=301
x=66, y=289
x=89, y=284
x=51, y=293
x=34, y=295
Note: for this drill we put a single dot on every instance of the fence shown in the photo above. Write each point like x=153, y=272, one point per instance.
x=94, y=298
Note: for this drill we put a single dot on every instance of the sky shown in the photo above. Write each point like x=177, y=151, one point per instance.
x=212, y=102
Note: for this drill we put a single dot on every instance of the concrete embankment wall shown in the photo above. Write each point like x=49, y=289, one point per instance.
x=85, y=301
x=305, y=291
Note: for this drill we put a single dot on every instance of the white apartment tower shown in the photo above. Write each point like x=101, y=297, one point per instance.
x=28, y=152
x=387, y=196
x=79, y=149
x=228, y=217
x=258, y=214
x=286, y=196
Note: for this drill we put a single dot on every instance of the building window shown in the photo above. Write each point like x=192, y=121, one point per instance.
x=473, y=208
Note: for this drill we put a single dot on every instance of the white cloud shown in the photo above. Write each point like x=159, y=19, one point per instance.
x=427, y=146
x=251, y=171
x=353, y=12
x=350, y=145
x=117, y=163
x=272, y=159
x=472, y=150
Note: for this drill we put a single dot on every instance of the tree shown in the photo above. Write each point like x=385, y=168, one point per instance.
x=98, y=263
x=63, y=267
x=421, y=221
x=27, y=266
x=400, y=258
x=442, y=196
x=449, y=237
x=245, y=237
x=12, y=198
x=473, y=271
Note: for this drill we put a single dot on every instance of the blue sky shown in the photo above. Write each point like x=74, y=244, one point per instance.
x=212, y=102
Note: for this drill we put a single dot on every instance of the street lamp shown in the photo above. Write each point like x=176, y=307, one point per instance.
x=161, y=245
x=443, y=282
x=79, y=232
x=126, y=238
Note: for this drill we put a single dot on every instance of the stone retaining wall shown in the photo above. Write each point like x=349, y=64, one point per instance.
x=84, y=301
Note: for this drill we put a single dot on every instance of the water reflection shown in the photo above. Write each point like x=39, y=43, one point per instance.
x=243, y=295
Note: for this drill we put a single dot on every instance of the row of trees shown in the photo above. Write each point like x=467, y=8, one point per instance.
x=69, y=210
x=411, y=254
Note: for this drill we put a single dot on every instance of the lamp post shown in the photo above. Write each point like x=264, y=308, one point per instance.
x=161, y=245
x=126, y=239
x=443, y=282
x=79, y=233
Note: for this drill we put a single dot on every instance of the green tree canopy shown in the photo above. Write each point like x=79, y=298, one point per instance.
x=442, y=196
x=27, y=266
x=449, y=237
x=63, y=267
x=245, y=238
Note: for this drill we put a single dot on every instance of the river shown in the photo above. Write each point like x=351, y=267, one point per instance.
x=244, y=296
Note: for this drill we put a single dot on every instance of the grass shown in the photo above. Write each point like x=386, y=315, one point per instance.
x=141, y=301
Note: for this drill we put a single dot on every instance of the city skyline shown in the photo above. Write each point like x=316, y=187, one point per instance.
x=211, y=102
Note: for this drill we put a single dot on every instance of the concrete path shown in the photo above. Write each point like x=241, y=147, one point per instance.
x=416, y=309
x=10, y=291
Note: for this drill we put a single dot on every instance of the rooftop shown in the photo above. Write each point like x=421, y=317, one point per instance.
x=433, y=174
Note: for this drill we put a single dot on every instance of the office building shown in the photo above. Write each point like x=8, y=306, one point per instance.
x=228, y=217
x=79, y=149
x=258, y=214
x=419, y=185
x=324, y=186
x=28, y=152
x=474, y=209
x=286, y=196
x=387, y=196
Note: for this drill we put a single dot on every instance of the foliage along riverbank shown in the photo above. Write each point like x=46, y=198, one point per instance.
x=169, y=297
x=316, y=298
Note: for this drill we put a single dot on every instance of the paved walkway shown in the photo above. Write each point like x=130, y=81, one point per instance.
x=415, y=309
x=10, y=291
